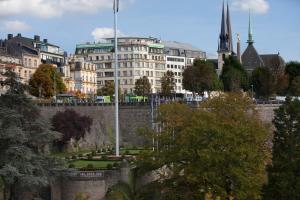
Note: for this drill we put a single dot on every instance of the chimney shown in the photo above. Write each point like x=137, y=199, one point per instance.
x=37, y=38
x=10, y=36
x=45, y=40
x=19, y=35
x=239, y=57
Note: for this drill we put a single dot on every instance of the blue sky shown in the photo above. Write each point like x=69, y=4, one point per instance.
x=276, y=23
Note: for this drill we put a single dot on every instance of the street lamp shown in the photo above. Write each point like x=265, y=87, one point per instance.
x=116, y=10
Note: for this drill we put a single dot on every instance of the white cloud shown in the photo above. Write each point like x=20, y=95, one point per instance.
x=101, y=33
x=14, y=26
x=256, y=6
x=54, y=8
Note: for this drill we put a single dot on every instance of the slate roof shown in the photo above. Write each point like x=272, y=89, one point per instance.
x=251, y=59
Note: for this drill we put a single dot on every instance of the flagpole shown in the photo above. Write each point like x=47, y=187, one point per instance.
x=116, y=4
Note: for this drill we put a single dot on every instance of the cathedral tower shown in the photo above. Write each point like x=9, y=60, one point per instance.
x=225, y=48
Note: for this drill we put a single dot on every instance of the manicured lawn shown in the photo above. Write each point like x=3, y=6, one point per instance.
x=97, y=164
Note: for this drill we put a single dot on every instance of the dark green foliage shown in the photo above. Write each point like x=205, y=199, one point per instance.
x=263, y=82
x=90, y=166
x=283, y=173
x=71, y=124
x=167, y=84
x=104, y=157
x=142, y=87
x=234, y=76
x=90, y=156
x=94, y=153
x=201, y=77
x=71, y=166
x=24, y=138
x=74, y=157
x=295, y=86
x=109, y=166
x=292, y=69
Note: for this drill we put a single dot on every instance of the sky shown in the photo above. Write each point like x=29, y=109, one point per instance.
x=276, y=23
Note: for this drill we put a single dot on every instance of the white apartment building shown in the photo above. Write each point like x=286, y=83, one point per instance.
x=138, y=57
x=178, y=57
x=81, y=76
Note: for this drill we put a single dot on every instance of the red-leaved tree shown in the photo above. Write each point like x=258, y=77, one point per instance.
x=72, y=125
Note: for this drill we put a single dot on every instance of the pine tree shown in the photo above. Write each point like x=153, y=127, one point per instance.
x=24, y=138
x=283, y=173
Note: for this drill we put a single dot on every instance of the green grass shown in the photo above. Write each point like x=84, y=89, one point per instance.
x=97, y=164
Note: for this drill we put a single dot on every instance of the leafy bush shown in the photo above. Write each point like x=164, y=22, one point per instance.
x=99, y=151
x=94, y=153
x=71, y=165
x=90, y=156
x=90, y=166
x=109, y=166
x=116, y=165
x=104, y=157
x=74, y=157
x=80, y=155
x=127, y=152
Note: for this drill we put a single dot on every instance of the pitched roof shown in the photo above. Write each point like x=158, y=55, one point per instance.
x=251, y=59
x=273, y=61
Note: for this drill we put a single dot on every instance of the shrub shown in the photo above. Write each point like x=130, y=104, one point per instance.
x=116, y=165
x=94, y=153
x=127, y=152
x=109, y=166
x=71, y=165
x=90, y=156
x=80, y=155
x=104, y=157
x=90, y=166
x=99, y=151
x=74, y=157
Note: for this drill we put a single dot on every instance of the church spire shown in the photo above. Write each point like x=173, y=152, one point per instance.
x=229, y=32
x=250, y=33
x=224, y=34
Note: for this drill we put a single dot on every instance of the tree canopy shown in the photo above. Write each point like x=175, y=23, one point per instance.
x=263, y=81
x=218, y=149
x=24, y=138
x=71, y=124
x=142, y=86
x=201, y=77
x=168, y=83
x=44, y=80
x=234, y=76
x=283, y=172
x=108, y=89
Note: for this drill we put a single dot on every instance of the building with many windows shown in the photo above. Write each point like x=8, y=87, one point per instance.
x=138, y=57
x=178, y=57
x=80, y=75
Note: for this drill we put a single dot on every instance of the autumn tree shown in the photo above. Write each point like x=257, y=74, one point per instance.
x=72, y=125
x=218, y=149
x=263, y=81
x=45, y=80
x=283, y=172
x=234, y=76
x=142, y=86
x=24, y=138
x=201, y=77
x=168, y=84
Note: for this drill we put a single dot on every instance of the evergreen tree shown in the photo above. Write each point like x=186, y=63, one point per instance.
x=283, y=173
x=263, y=82
x=24, y=138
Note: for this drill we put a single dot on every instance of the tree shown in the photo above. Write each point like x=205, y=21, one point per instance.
x=142, y=86
x=218, y=149
x=234, y=76
x=167, y=83
x=282, y=84
x=295, y=86
x=283, y=173
x=292, y=69
x=108, y=89
x=24, y=137
x=263, y=82
x=45, y=80
x=200, y=77
x=72, y=126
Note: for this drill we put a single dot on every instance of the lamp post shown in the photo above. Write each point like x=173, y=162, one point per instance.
x=116, y=10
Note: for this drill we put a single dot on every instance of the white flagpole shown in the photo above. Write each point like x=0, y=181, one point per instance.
x=116, y=8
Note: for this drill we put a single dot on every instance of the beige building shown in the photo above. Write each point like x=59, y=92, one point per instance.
x=138, y=57
x=81, y=76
